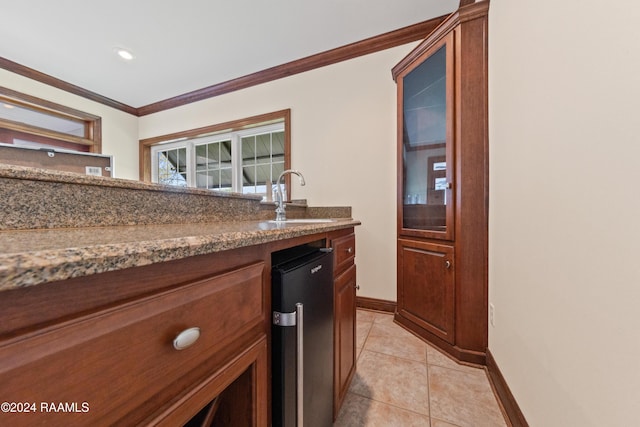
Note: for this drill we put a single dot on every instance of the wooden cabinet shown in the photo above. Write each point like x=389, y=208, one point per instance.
x=443, y=185
x=240, y=394
x=426, y=286
x=344, y=246
x=154, y=359
x=103, y=346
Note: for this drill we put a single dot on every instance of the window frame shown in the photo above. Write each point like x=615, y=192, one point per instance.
x=92, y=123
x=215, y=132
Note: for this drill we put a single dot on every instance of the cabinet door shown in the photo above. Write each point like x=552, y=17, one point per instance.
x=345, y=335
x=426, y=286
x=126, y=361
x=425, y=148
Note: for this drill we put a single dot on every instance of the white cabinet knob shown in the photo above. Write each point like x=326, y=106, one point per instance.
x=186, y=338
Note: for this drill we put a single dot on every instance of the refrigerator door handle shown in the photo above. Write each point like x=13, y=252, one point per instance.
x=300, y=364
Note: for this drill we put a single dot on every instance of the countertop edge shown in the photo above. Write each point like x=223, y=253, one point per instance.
x=25, y=269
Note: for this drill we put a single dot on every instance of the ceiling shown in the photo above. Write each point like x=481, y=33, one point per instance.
x=181, y=46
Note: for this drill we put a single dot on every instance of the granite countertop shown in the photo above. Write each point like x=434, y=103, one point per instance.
x=33, y=257
x=60, y=225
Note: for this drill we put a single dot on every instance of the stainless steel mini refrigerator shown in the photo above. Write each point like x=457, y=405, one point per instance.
x=302, y=338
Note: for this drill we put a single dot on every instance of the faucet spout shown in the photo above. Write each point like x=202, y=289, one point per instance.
x=280, y=209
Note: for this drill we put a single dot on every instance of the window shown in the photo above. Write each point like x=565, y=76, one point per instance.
x=245, y=157
x=247, y=161
x=27, y=121
x=172, y=166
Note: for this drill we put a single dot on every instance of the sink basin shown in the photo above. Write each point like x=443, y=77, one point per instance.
x=303, y=221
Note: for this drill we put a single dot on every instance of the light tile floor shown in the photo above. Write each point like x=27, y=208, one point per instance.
x=403, y=381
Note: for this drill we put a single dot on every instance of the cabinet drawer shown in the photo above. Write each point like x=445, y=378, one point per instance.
x=345, y=251
x=110, y=363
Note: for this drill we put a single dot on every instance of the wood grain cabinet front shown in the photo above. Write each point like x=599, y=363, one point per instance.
x=345, y=252
x=345, y=335
x=120, y=364
x=344, y=361
x=443, y=185
x=426, y=286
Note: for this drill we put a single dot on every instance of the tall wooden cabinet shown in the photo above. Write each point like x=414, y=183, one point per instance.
x=443, y=185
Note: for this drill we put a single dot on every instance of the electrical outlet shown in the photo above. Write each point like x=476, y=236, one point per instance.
x=492, y=315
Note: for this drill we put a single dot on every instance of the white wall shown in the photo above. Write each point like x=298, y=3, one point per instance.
x=343, y=140
x=564, y=268
x=343, y=129
x=119, y=129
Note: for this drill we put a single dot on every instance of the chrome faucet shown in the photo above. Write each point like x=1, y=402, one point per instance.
x=280, y=213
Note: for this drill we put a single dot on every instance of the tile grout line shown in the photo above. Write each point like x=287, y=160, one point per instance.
x=428, y=366
x=391, y=355
x=460, y=368
x=428, y=415
x=389, y=404
x=364, y=343
x=426, y=362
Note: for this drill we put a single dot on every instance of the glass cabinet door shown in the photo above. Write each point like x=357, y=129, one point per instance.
x=427, y=145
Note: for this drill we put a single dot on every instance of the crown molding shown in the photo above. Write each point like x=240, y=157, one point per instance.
x=22, y=70
x=350, y=51
x=479, y=9
x=371, y=45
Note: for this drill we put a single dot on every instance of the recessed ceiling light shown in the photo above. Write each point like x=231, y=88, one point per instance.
x=124, y=53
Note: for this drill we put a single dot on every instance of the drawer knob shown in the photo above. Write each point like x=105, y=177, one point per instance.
x=350, y=250
x=186, y=338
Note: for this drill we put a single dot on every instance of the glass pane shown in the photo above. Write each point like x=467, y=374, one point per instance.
x=202, y=180
x=225, y=151
x=225, y=179
x=182, y=160
x=248, y=176
x=201, y=158
x=169, y=169
x=21, y=114
x=214, y=180
x=213, y=155
x=263, y=148
x=248, y=150
x=277, y=145
x=425, y=102
x=248, y=180
x=263, y=174
x=276, y=170
x=424, y=144
x=162, y=167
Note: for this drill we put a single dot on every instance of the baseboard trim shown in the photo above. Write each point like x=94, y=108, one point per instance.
x=376, y=304
x=462, y=355
x=511, y=408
